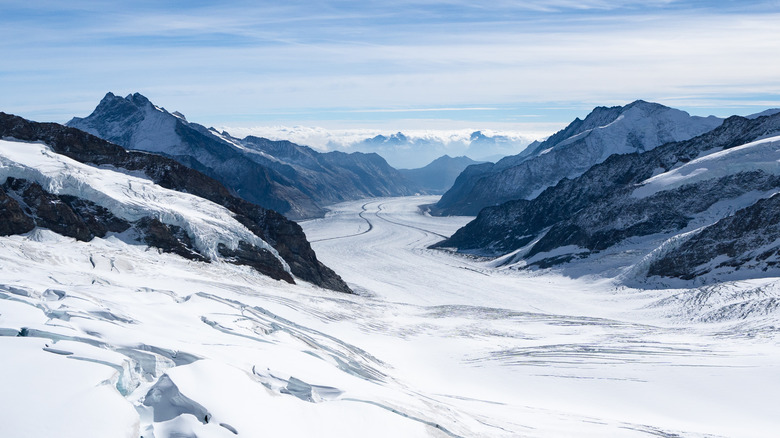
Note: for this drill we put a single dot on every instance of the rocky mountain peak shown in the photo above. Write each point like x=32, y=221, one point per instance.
x=285, y=236
x=605, y=131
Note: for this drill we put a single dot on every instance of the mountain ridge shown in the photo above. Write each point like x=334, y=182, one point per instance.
x=438, y=175
x=285, y=236
x=615, y=201
x=297, y=189
x=638, y=126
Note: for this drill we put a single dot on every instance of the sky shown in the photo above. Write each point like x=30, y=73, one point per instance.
x=516, y=66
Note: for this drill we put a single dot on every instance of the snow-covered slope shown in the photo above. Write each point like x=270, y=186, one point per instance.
x=637, y=127
x=633, y=210
x=294, y=180
x=762, y=155
x=31, y=198
x=131, y=198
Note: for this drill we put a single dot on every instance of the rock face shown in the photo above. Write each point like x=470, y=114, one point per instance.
x=637, y=127
x=746, y=241
x=676, y=188
x=66, y=215
x=439, y=175
x=285, y=236
x=291, y=179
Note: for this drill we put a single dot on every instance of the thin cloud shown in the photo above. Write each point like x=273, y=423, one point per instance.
x=384, y=61
x=418, y=110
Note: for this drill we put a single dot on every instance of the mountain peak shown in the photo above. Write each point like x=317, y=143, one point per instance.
x=647, y=106
x=138, y=99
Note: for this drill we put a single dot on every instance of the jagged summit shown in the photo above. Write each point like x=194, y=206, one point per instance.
x=294, y=180
x=636, y=127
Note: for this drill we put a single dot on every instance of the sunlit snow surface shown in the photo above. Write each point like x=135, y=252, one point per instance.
x=121, y=341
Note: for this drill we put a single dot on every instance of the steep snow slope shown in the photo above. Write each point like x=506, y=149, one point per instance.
x=762, y=155
x=637, y=127
x=128, y=197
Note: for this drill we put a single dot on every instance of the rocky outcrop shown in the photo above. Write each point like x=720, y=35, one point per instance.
x=259, y=258
x=285, y=236
x=66, y=215
x=14, y=220
x=169, y=238
x=637, y=127
x=279, y=175
x=747, y=240
x=605, y=206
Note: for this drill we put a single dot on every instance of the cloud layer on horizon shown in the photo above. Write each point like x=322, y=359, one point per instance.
x=405, y=150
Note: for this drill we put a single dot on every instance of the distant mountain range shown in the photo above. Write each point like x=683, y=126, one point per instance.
x=637, y=127
x=294, y=180
x=703, y=209
x=78, y=185
x=438, y=176
x=411, y=151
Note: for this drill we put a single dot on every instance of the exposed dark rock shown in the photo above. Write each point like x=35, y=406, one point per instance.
x=285, y=236
x=288, y=239
x=258, y=258
x=98, y=219
x=598, y=227
x=83, y=220
x=13, y=220
x=748, y=238
x=66, y=215
x=168, y=238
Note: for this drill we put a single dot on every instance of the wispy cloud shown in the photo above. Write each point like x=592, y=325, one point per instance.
x=388, y=60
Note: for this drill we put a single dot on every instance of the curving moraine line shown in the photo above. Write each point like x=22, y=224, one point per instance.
x=379, y=210
x=370, y=227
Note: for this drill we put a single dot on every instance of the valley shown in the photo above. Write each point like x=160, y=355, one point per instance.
x=434, y=344
x=561, y=356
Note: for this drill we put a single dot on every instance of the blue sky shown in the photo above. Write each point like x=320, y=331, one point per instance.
x=447, y=64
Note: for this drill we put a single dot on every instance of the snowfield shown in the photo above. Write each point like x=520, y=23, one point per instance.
x=111, y=339
x=762, y=155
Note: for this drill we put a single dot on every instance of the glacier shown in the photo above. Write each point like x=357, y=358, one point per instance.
x=106, y=338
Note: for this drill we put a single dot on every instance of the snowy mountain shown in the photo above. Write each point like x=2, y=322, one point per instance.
x=439, y=174
x=703, y=208
x=294, y=180
x=637, y=127
x=481, y=145
x=112, y=325
x=50, y=180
